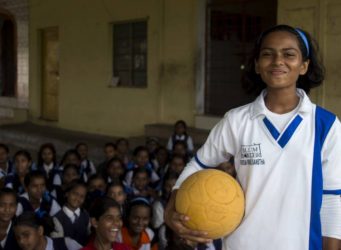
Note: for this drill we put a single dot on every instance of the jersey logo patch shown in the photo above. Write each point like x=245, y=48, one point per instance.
x=251, y=155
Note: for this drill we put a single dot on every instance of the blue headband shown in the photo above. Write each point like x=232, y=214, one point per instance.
x=140, y=199
x=304, y=39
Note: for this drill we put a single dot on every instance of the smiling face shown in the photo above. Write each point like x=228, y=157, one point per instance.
x=141, y=181
x=122, y=147
x=36, y=188
x=280, y=61
x=97, y=184
x=180, y=128
x=69, y=175
x=29, y=238
x=22, y=165
x=3, y=155
x=8, y=207
x=47, y=155
x=177, y=164
x=110, y=152
x=115, y=169
x=117, y=193
x=72, y=159
x=108, y=225
x=142, y=158
x=138, y=219
x=75, y=197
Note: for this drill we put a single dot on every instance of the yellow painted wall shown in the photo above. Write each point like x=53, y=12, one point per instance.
x=86, y=103
x=322, y=18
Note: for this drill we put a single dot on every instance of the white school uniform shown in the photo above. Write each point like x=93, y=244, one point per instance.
x=283, y=173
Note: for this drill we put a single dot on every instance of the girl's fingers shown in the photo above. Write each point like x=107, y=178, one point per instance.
x=186, y=233
x=196, y=239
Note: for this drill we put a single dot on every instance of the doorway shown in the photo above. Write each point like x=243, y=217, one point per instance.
x=232, y=27
x=8, y=61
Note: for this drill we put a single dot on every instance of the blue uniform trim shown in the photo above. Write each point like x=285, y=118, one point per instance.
x=288, y=133
x=273, y=131
x=336, y=192
x=199, y=162
x=323, y=122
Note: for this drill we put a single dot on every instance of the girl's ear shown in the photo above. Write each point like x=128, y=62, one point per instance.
x=94, y=222
x=40, y=231
x=304, y=67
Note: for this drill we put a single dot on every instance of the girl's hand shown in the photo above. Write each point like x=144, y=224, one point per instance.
x=177, y=221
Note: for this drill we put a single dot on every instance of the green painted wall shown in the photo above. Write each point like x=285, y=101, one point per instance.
x=322, y=18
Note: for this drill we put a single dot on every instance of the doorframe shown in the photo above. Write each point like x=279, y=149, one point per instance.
x=41, y=65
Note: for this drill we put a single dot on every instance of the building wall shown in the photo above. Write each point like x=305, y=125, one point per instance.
x=19, y=10
x=86, y=103
x=174, y=57
x=322, y=18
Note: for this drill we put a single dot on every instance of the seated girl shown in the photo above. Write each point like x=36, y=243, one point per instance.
x=8, y=206
x=136, y=233
x=106, y=222
x=32, y=233
x=73, y=218
x=23, y=163
x=37, y=199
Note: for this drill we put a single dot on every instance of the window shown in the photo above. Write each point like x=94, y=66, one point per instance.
x=130, y=54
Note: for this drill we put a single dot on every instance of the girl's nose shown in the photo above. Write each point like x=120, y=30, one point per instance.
x=278, y=59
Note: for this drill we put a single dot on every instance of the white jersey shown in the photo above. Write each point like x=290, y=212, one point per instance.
x=283, y=173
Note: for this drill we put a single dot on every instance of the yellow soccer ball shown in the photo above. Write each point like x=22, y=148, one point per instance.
x=214, y=202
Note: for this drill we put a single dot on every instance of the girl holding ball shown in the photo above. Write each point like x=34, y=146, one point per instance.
x=293, y=176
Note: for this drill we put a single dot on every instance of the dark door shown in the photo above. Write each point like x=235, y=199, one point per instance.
x=232, y=28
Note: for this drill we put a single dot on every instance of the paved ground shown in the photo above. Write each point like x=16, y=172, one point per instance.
x=30, y=136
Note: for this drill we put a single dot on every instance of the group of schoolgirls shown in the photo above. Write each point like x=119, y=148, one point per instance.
x=117, y=204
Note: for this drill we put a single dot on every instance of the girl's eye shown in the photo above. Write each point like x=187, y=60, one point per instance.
x=265, y=54
x=290, y=55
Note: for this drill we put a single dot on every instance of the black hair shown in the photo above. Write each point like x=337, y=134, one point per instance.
x=153, y=139
x=8, y=191
x=119, y=140
x=101, y=205
x=42, y=148
x=140, y=170
x=81, y=144
x=139, y=149
x=180, y=143
x=31, y=219
x=114, y=159
x=182, y=122
x=115, y=183
x=110, y=144
x=170, y=175
x=138, y=201
x=183, y=158
x=34, y=174
x=68, y=153
x=96, y=176
x=252, y=82
x=74, y=184
x=160, y=148
x=70, y=166
x=4, y=146
x=24, y=153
